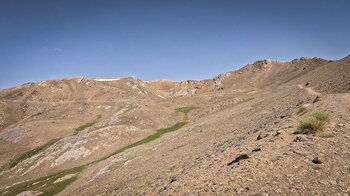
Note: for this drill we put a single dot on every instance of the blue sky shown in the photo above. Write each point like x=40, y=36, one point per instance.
x=165, y=39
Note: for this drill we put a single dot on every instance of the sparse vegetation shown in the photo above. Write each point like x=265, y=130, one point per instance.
x=186, y=110
x=315, y=167
x=313, y=122
x=215, y=148
x=86, y=125
x=343, y=90
x=302, y=110
x=325, y=134
x=11, y=115
x=303, y=154
x=38, y=149
x=33, y=152
x=248, y=99
x=45, y=184
x=237, y=141
x=152, y=137
x=225, y=107
x=82, y=127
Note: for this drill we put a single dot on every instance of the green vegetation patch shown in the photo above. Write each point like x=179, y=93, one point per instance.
x=325, y=134
x=45, y=184
x=248, y=99
x=82, y=127
x=302, y=110
x=152, y=137
x=86, y=125
x=33, y=152
x=38, y=149
x=186, y=110
x=313, y=122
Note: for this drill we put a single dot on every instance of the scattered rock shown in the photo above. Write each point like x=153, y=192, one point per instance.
x=259, y=137
x=262, y=194
x=280, y=157
x=317, y=99
x=256, y=149
x=300, y=152
x=277, y=133
x=15, y=134
x=299, y=103
x=80, y=79
x=30, y=193
x=298, y=139
x=340, y=125
x=332, y=182
x=283, y=116
x=324, y=182
x=266, y=135
x=316, y=160
x=173, y=179
x=66, y=177
x=206, y=174
x=238, y=158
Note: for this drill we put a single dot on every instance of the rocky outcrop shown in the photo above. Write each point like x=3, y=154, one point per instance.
x=15, y=134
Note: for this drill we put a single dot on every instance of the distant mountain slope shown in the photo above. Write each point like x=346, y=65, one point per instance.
x=267, y=73
x=333, y=77
x=125, y=136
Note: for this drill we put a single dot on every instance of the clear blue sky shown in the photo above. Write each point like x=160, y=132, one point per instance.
x=165, y=39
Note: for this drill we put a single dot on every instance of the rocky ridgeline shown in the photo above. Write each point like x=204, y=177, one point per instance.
x=234, y=134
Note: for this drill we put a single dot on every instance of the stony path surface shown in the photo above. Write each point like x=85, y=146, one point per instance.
x=309, y=90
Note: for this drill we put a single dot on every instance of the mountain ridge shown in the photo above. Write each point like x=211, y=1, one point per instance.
x=255, y=63
x=87, y=129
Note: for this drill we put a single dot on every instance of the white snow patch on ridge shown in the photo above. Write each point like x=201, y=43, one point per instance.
x=106, y=79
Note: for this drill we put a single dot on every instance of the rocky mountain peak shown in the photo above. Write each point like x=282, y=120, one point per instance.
x=309, y=60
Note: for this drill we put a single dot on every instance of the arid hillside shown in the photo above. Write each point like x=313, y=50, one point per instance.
x=269, y=128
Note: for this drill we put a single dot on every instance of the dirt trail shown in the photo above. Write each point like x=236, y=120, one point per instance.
x=308, y=89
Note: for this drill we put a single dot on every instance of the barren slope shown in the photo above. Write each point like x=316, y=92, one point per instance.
x=104, y=139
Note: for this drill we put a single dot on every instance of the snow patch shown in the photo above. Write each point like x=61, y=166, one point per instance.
x=106, y=79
